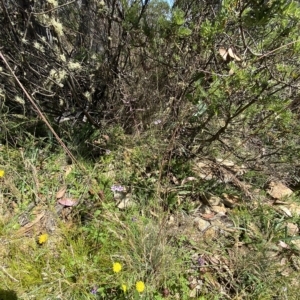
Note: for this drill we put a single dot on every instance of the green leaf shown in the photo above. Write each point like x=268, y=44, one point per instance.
x=178, y=17
x=183, y=31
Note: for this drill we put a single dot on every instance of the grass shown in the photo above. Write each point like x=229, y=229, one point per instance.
x=76, y=259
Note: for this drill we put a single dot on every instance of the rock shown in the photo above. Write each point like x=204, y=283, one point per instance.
x=126, y=202
x=292, y=229
x=230, y=200
x=211, y=232
x=219, y=209
x=214, y=200
x=201, y=224
x=225, y=162
x=278, y=190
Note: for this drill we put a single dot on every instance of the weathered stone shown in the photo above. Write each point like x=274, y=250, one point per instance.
x=219, y=209
x=214, y=200
x=201, y=224
x=125, y=202
x=292, y=229
x=278, y=190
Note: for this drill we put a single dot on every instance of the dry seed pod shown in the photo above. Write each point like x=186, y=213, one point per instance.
x=234, y=56
x=224, y=53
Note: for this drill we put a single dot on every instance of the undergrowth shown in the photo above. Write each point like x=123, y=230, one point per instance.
x=81, y=246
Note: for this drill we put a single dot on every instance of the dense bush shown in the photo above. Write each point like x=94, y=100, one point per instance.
x=218, y=76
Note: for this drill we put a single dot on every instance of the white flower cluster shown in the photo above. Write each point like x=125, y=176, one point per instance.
x=58, y=76
x=38, y=46
x=58, y=27
x=63, y=57
x=53, y=2
x=74, y=65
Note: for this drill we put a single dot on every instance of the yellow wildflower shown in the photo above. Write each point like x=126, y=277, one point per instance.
x=2, y=173
x=43, y=238
x=140, y=286
x=124, y=288
x=117, y=267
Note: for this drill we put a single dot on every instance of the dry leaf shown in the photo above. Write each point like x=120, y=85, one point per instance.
x=101, y=195
x=283, y=245
x=61, y=192
x=28, y=226
x=223, y=52
x=292, y=229
x=208, y=216
x=230, y=52
x=286, y=211
x=175, y=180
x=214, y=260
x=219, y=209
x=237, y=58
x=225, y=162
x=187, y=179
x=67, y=201
x=234, y=56
x=106, y=137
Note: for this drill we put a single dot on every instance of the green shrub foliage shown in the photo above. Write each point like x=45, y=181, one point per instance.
x=220, y=75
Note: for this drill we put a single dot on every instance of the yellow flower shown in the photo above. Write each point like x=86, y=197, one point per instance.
x=2, y=173
x=124, y=288
x=43, y=238
x=140, y=286
x=117, y=267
